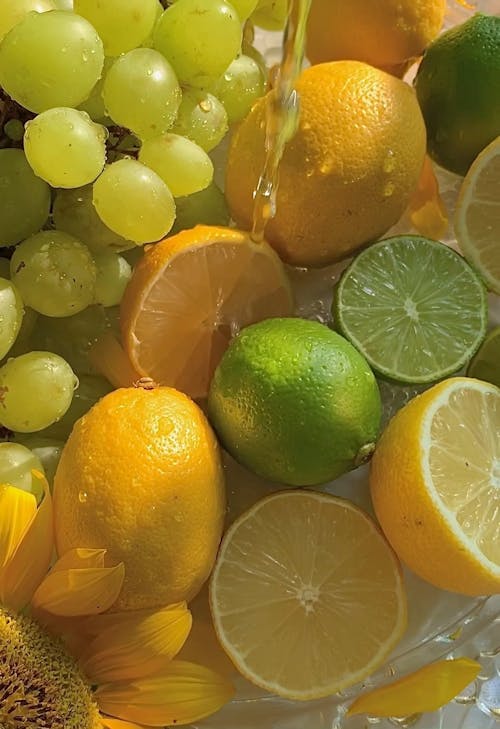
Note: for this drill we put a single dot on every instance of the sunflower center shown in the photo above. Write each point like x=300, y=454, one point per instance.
x=41, y=686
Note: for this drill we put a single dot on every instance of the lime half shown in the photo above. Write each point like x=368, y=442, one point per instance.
x=486, y=364
x=413, y=307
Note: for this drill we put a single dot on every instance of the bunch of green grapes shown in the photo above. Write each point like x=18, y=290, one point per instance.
x=109, y=114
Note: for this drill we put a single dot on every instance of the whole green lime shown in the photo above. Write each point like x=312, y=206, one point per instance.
x=458, y=88
x=295, y=402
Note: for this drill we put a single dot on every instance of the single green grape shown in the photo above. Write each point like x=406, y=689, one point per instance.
x=36, y=389
x=16, y=464
x=11, y=315
x=244, y=8
x=54, y=272
x=65, y=147
x=50, y=59
x=24, y=198
x=94, y=104
x=91, y=389
x=201, y=118
x=14, y=129
x=182, y=164
x=122, y=24
x=47, y=450
x=12, y=11
x=207, y=207
x=113, y=275
x=134, y=201
x=271, y=14
x=25, y=340
x=141, y=93
x=239, y=87
x=74, y=213
x=199, y=38
x=72, y=337
x=4, y=268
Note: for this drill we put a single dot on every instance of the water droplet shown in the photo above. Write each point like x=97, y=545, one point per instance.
x=389, y=162
x=82, y=497
x=389, y=189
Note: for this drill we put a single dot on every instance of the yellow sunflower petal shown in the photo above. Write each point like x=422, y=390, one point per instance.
x=30, y=561
x=182, y=693
x=137, y=645
x=17, y=511
x=74, y=592
x=426, y=690
x=426, y=209
x=109, y=723
x=77, y=559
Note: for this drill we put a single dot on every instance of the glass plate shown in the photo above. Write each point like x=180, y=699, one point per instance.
x=440, y=624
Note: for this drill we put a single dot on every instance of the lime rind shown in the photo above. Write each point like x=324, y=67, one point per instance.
x=413, y=307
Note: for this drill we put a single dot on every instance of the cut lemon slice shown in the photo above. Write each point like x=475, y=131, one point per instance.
x=435, y=484
x=190, y=294
x=306, y=595
x=477, y=215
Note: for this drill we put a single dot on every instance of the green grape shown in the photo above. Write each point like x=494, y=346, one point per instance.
x=199, y=38
x=47, y=450
x=113, y=275
x=94, y=104
x=72, y=337
x=122, y=24
x=207, y=207
x=134, y=201
x=14, y=129
x=149, y=42
x=64, y=5
x=50, y=59
x=65, y=148
x=25, y=340
x=141, y=93
x=5, y=268
x=16, y=464
x=24, y=198
x=11, y=315
x=90, y=390
x=244, y=8
x=54, y=272
x=201, y=118
x=240, y=86
x=271, y=14
x=182, y=165
x=12, y=11
x=36, y=389
x=74, y=213
x=249, y=50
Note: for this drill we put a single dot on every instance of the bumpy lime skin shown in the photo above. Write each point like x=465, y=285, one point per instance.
x=458, y=89
x=295, y=402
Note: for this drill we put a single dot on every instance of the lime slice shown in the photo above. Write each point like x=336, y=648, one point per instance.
x=413, y=307
x=486, y=364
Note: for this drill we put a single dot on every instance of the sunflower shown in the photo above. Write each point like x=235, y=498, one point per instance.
x=66, y=661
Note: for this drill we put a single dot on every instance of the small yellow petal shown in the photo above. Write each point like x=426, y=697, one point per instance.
x=77, y=559
x=137, y=644
x=182, y=693
x=17, y=511
x=74, y=592
x=426, y=690
x=29, y=563
x=109, y=723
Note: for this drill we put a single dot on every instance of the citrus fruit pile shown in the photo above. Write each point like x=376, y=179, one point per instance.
x=153, y=357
